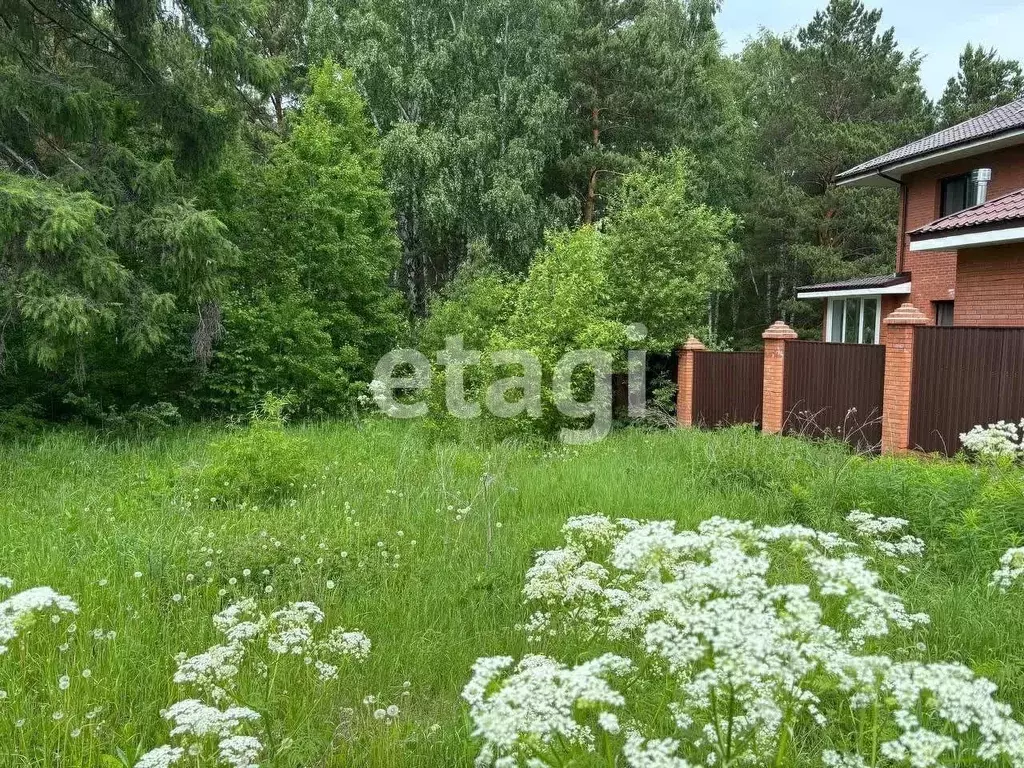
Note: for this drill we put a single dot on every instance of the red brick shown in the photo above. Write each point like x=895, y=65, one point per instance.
x=899, y=367
x=684, y=402
x=774, y=375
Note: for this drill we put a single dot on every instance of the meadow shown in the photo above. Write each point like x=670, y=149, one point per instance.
x=424, y=547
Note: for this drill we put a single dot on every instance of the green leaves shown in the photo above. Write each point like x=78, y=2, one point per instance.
x=669, y=253
x=309, y=308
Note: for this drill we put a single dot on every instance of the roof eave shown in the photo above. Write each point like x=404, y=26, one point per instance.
x=899, y=284
x=968, y=237
x=891, y=175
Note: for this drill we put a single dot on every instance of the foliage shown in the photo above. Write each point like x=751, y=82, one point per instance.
x=465, y=98
x=668, y=252
x=310, y=308
x=563, y=304
x=261, y=463
x=107, y=125
x=838, y=92
x=136, y=420
x=985, y=81
x=641, y=76
x=479, y=301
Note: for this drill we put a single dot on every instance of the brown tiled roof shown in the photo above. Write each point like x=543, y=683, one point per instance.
x=1000, y=120
x=1001, y=210
x=877, y=281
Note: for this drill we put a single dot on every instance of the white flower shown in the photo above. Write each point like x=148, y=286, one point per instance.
x=161, y=757
x=539, y=700
x=733, y=648
x=194, y=718
x=995, y=440
x=239, y=751
x=15, y=610
x=1010, y=571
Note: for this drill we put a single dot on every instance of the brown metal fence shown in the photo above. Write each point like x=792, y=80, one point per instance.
x=727, y=388
x=964, y=377
x=834, y=390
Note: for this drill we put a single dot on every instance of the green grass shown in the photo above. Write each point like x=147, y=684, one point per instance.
x=77, y=511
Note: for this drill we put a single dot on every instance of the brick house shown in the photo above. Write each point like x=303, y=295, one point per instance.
x=960, y=255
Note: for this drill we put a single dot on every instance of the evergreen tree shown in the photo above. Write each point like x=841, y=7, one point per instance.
x=310, y=308
x=642, y=75
x=983, y=83
x=838, y=93
x=107, y=120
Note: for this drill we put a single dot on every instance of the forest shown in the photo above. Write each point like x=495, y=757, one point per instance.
x=205, y=201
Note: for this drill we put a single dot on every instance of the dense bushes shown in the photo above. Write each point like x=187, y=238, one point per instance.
x=654, y=263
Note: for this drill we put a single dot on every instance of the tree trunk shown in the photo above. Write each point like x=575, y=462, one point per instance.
x=590, y=204
x=591, y=201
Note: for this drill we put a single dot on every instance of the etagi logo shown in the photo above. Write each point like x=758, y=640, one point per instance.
x=408, y=371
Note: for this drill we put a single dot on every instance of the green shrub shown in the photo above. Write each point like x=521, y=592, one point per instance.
x=261, y=463
x=134, y=421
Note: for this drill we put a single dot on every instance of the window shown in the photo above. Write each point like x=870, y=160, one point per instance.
x=854, y=320
x=944, y=314
x=958, y=193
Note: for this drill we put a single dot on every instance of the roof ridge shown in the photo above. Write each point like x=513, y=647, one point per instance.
x=1001, y=107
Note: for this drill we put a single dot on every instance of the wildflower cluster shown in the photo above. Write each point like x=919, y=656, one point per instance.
x=720, y=661
x=999, y=439
x=19, y=609
x=219, y=727
x=1010, y=571
x=885, y=534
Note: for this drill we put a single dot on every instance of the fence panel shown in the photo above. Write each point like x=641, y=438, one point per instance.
x=834, y=390
x=727, y=388
x=963, y=377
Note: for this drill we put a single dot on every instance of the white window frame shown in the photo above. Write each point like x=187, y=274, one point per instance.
x=829, y=313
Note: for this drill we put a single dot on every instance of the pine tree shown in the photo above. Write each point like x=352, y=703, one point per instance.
x=642, y=75
x=838, y=93
x=983, y=83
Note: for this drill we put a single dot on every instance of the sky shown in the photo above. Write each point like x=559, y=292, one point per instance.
x=939, y=29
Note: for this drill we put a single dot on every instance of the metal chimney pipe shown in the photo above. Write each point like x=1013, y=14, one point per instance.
x=981, y=178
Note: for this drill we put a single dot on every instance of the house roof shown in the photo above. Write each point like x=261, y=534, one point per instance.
x=1001, y=210
x=858, y=286
x=1001, y=120
x=857, y=283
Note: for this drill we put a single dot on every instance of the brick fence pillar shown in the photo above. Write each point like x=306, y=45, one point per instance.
x=899, y=373
x=775, y=338
x=684, y=405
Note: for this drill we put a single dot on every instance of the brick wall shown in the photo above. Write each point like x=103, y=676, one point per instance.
x=990, y=286
x=934, y=274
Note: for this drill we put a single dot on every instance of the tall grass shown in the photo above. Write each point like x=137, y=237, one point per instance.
x=424, y=547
